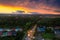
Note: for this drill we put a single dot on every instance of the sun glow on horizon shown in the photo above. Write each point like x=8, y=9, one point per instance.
x=7, y=9
x=10, y=9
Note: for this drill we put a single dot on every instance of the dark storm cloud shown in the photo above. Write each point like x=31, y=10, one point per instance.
x=32, y=3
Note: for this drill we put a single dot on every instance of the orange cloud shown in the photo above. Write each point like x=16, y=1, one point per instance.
x=39, y=8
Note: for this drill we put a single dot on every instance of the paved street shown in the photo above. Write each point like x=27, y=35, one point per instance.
x=30, y=34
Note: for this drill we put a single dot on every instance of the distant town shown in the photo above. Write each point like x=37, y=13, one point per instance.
x=29, y=27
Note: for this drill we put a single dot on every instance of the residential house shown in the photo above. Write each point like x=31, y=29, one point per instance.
x=41, y=29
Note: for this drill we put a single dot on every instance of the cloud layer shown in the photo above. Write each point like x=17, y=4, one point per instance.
x=51, y=5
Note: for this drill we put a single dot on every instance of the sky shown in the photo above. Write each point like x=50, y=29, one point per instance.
x=38, y=6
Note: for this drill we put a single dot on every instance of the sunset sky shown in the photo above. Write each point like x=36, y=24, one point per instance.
x=39, y=6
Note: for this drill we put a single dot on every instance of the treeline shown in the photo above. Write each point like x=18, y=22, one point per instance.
x=49, y=22
x=11, y=21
